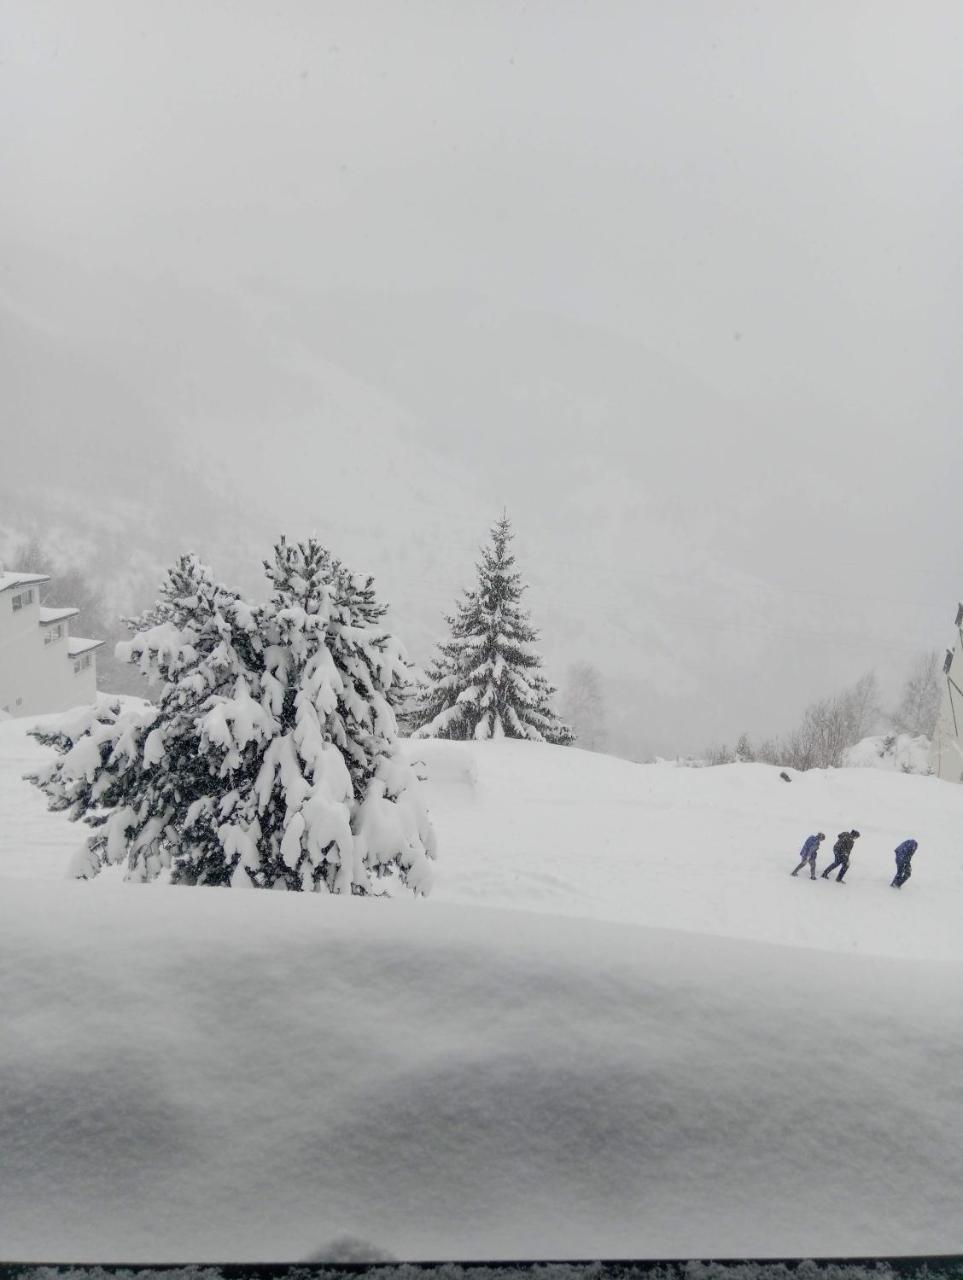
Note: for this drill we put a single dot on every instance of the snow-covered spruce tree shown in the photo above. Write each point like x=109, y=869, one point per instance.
x=358, y=595
x=407, y=706
x=271, y=758
x=486, y=681
x=338, y=669
x=88, y=779
x=137, y=774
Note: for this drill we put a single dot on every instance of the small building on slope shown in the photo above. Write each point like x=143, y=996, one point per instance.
x=43, y=667
x=947, y=755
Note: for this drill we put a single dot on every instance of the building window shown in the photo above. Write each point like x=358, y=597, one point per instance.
x=81, y=664
x=53, y=633
x=22, y=600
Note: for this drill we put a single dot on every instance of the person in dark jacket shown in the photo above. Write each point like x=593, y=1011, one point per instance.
x=904, y=856
x=843, y=849
x=808, y=854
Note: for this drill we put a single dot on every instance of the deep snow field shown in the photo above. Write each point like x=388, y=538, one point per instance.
x=616, y=1028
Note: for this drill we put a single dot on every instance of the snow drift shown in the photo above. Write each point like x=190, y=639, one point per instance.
x=203, y=1079
x=556, y=1055
x=903, y=751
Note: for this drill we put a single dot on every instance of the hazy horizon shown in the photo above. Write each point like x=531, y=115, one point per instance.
x=678, y=284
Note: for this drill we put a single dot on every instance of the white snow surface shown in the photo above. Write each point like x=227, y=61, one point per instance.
x=903, y=751
x=616, y=1028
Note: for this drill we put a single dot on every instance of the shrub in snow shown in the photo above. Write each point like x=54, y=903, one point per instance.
x=271, y=758
x=486, y=681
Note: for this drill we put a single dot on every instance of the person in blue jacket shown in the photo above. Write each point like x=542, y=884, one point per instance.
x=808, y=854
x=904, y=856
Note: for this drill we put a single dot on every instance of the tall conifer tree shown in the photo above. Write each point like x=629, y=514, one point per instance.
x=487, y=681
x=271, y=758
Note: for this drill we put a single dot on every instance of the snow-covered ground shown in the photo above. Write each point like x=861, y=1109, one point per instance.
x=704, y=850
x=616, y=1028
x=900, y=751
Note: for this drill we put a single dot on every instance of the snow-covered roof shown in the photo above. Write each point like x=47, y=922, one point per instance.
x=8, y=580
x=55, y=615
x=76, y=645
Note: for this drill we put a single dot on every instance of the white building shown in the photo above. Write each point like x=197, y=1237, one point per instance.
x=947, y=757
x=42, y=666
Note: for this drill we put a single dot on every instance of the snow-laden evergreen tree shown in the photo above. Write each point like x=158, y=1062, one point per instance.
x=271, y=758
x=344, y=668
x=407, y=708
x=487, y=681
x=134, y=773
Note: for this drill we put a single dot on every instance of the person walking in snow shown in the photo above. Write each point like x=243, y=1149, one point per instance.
x=808, y=854
x=843, y=849
x=904, y=856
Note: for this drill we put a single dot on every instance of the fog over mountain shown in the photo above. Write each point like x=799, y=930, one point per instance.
x=678, y=285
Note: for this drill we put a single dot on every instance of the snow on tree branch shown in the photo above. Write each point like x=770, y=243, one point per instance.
x=486, y=681
x=271, y=759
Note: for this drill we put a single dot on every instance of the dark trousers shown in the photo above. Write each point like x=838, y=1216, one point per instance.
x=842, y=860
x=903, y=873
x=811, y=859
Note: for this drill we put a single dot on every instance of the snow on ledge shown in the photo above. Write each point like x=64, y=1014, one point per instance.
x=77, y=645
x=47, y=615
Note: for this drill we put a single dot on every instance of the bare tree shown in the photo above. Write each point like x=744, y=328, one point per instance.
x=919, y=702
x=861, y=708
x=745, y=751
x=826, y=729
x=583, y=706
x=801, y=748
x=829, y=727
x=771, y=751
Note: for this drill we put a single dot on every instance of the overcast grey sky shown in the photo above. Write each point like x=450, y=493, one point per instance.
x=692, y=271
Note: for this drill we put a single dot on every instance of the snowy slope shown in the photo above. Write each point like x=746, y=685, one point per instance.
x=705, y=850
x=902, y=751
x=557, y=1054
